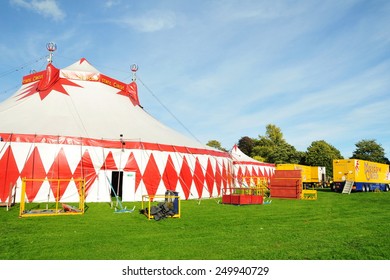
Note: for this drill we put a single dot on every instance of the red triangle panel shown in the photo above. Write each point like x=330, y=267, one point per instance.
x=131, y=165
x=59, y=170
x=109, y=163
x=170, y=176
x=210, y=177
x=151, y=176
x=33, y=169
x=9, y=173
x=85, y=170
x=218, y=179
x=198, y=178
x=185, y=178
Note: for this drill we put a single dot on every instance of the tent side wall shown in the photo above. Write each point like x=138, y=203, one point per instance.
x=245, y=172
x=194, y=174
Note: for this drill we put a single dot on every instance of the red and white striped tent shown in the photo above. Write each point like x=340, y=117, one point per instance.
x=246, y=169
x=76, y=122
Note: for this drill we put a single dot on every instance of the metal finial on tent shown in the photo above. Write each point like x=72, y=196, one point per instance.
x=134, y=69
x=123, y=143
x=51, y=47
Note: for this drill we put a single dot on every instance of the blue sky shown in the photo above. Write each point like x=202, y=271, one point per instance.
x=319, y=70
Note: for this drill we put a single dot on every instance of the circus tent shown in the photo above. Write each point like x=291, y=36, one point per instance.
x=247, y=170
x=76, y=122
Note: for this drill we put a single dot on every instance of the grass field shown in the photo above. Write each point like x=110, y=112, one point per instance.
x=334, y=227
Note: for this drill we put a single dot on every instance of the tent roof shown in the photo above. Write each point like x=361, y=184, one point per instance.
x=81, y=65
x=240, y=158
x=79, y=101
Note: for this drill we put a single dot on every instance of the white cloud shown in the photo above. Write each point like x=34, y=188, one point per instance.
x=151, y=21
x=111, y=3
x=259, y=10
x=47, y=8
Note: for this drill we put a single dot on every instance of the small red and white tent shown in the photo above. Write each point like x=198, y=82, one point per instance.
x=247, y=169
x=76, y=122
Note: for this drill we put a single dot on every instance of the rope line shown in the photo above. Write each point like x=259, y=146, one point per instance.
x=18, y=68
x=166, y=108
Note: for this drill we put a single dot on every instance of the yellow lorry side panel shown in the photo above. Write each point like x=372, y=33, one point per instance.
x=358, y=170
x=314, y=174
x=306, y=170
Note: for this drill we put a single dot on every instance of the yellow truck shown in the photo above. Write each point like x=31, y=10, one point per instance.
x=360, y=175
x=312, y=176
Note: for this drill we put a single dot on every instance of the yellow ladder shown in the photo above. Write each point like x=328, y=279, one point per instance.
x=348, y=187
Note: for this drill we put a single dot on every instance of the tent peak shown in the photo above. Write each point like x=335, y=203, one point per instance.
x=83, y=59
x=82, y=65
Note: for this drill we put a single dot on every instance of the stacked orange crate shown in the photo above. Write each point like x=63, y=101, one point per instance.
x=286, y=184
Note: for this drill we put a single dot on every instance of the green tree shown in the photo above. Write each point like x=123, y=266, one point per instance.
x=284, y=153
x=274, y=134
x=320, y=153
x=245, y=144
x=216, y=144
x=259, y=158
x=370, y=150
x=274, y=148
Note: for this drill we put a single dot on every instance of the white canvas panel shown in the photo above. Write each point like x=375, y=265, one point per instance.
x=128, y=186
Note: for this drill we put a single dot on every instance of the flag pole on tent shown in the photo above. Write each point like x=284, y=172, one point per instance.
x=51, y=47
x=134, y=69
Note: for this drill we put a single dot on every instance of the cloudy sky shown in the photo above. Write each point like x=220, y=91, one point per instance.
x=319, y=70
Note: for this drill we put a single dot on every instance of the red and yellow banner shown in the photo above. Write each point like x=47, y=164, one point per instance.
x=112, y=82
x=33, y=77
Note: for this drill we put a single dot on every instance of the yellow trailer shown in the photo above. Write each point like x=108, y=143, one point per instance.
x=361, y=175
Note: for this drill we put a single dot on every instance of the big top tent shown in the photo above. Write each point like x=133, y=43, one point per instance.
x=246, y=170
x=76, y=122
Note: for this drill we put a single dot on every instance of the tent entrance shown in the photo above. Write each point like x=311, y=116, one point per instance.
x=117, y=183
x=123, y=185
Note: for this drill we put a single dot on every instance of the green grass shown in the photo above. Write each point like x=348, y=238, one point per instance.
x=336, y=226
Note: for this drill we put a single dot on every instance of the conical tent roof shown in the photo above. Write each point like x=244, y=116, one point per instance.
x=81, y=65
x=245, y=167
x=79, y=101
x=239, y=157
x=78, y=123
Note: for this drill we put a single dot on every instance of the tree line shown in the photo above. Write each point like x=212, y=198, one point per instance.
x=273, y=148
